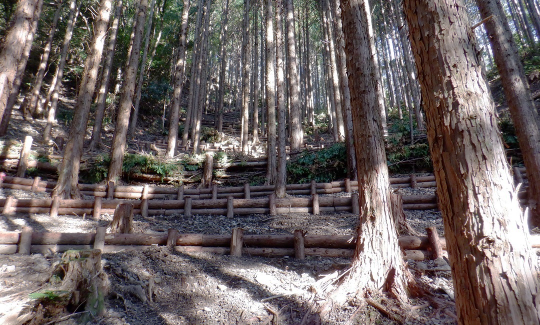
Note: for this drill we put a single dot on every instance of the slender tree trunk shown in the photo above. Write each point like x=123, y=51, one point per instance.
x=105, y=76
x=271, y=172
x=255, y=82
x=14, y=54
x=281, y=180
x=246, y=71
x=30, y=103
x=178, y=83
x=297, y=132
x=535, y=15
x=495, y=272
x=222, y=55
x=126, y=99
x=69, y=170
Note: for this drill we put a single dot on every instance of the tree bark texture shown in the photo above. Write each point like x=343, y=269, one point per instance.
x=69, y=169
x=246, y=71
x=126, y=99
x=222, y=55
x=495, y=273
x=271, y=153
x=281, y=181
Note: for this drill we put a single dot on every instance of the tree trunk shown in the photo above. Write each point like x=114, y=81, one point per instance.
x=246, y=71
x=281, y=180
x=255, y=81
x=126, y=99
x=14, y=54
x=30, y=103
x=271, y=172
x=518, y=95
x=52, y=95
x=105, y=76
x=222, y=55
x=297, y=132
x=178, y=83
x=69, y=169
x=494, y=271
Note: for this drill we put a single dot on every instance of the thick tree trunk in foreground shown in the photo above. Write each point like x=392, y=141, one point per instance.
x=281, y=180
x=105, y=76
x=69, y=170
x=178, y=83
x=14, y=55
x=494, y=271
x=271, y=172
x=126, y=99
x=518, y=95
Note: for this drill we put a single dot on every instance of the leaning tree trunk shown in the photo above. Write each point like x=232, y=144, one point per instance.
x=14, y=54
x=281, y=180
x=126, y=99
x=178, y=83
x=518, y=95
x=270, y=95
x=105, y=76
x=69, y=170
x=495, y=272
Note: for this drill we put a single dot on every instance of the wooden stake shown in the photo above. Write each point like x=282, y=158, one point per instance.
x=272, y=204
x=355, y=204
x=348, y=188
x=54, y=206
x=172, y=237
x=313, y=187
x=214, y=192
x=26, y=241
x=206, y=180
x=237, y=241
x=97, y=208
x=144, y=194
x=299, y=249
x=180, y=195
x=315, y=199
x=414, y=183
x=8, y=206
x=187, y=206
x=35, y=184
x=144, y=208
x=123, y=219
x=434, y=242
x=230, y=207
x=247, y=191
x=25, y=153
x=110, y=190
x=99, y=241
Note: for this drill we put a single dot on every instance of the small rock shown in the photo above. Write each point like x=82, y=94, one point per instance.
x=157, y=279
x=222, y=287
x=421, y=266
x=440, y=262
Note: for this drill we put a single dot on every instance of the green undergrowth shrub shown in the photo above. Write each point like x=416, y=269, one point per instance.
x=323, y=166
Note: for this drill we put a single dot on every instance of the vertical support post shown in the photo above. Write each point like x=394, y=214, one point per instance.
x=214, y=191
x=144, y=194
x=237, y=241
x=299, y=249
x=25, y=153
x=348, y=185
x=355, y=204
x=272, y=204
x=99, y=241
x=35, y=184
x=123, y=219
x=313, y=187
x=97, y=208
x=315, y=203
x=25, y=242
x=414, y=183
x=230, y=207
x=434, y=242
x=110, y=190
x=54, y=206
x=172, y=236
x=187, y=206
x=247, y=191
x=8, y=206
x=180, y=195
x=144, y=208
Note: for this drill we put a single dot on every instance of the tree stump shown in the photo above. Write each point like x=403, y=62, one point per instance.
x=434, y=242
x=25, y=243
x=206, y=180
x=402, y=226
x=110, y=190
x=123, y=219
x=237, y=241
x=35, y=184
x=99, y=241
x=25, y=153
x=172, y=237
x=315, y=201
x=299, y=249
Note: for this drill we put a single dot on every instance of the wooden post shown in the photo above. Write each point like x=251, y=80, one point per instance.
x=214, y=191
x=8, y=206
x=144, y=208
x=414, y=183
x=110, y=190
x=187, y=206
x=434, y=242
x=23, y=160
x=180, y=195
x=54, y=206
x=172, y=237
x=272, y=203
x=237, y=241
x=313, y=187
x=206, y=180
x=99, y=241
x=25, y=242
x=230, y=207
x=355, y=204
x=315, y=202
x=35, y=184
x=123, y=219
x=348, y=185
x=97, y=207
x=518, y=178
x=299, y=249
x=247, y=191
x=144, y=194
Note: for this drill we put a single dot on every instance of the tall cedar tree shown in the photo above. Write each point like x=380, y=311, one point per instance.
x=68, y=177
x=222, y=56
x=246, y=71
x=281, y=180
x=271, y=172
x=495, y=272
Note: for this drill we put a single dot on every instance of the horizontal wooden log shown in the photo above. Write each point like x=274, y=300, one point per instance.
x=8, y=249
